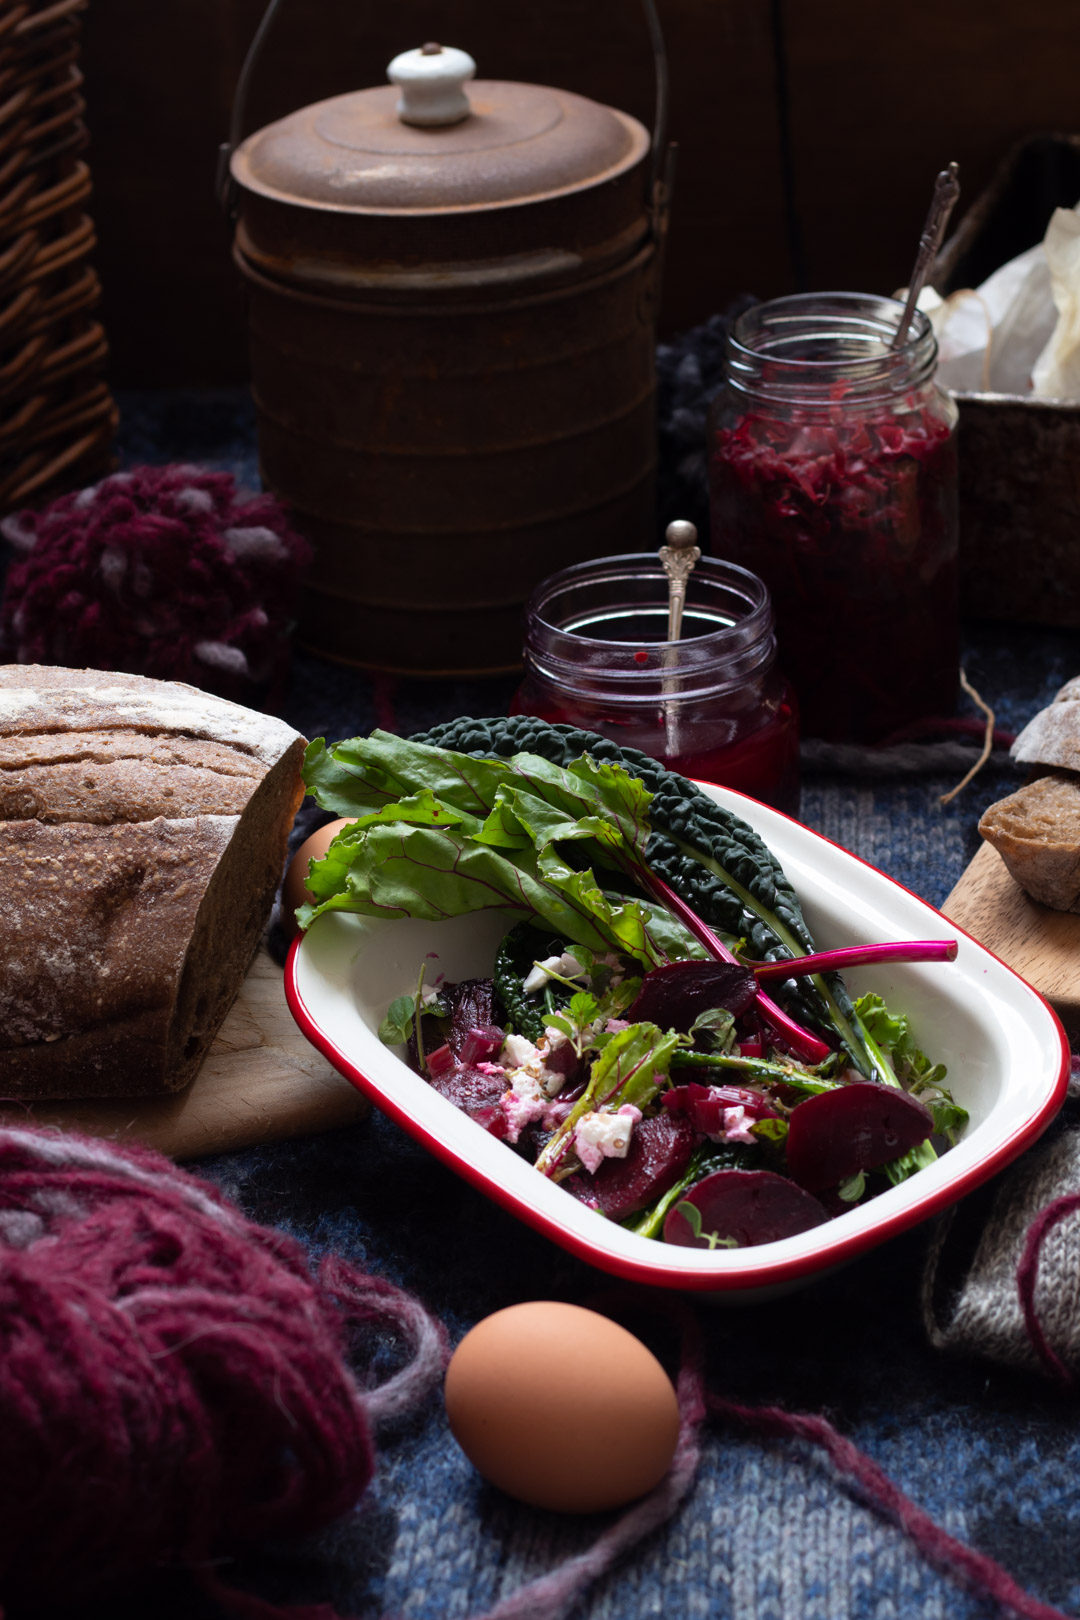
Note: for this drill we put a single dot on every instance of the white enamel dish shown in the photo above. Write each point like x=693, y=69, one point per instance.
x=1006, y=1053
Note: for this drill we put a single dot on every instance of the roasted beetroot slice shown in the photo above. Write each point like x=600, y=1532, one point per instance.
x=857, y=1127
x=659, y=1152
x=481, y=1043
x=704, y=1106
x=750, y=1206
x=563, y=1059
x=467, y=1088
x=471, y=1008
x=674, y=995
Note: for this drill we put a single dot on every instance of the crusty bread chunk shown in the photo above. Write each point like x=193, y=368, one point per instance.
x=1052, y=737
x=1036, y=831
x=143, y=829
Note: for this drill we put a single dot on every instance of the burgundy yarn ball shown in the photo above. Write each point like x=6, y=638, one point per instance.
x=172, y=1378
x=159, y=571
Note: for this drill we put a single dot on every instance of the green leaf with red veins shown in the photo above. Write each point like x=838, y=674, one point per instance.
x=496, y=847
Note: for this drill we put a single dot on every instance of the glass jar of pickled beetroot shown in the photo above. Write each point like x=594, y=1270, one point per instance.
x=712, y=705
x=832, y=474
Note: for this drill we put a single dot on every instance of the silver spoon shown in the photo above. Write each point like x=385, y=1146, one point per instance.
x=946, y=191
x=678, y=558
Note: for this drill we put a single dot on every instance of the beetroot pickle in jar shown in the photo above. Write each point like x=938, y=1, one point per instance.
x=712, y=705
x=832, y=474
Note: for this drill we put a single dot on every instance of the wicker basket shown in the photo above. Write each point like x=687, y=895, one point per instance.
x=57, y=417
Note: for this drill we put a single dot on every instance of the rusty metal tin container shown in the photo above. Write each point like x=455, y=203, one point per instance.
x=1019, y=487
x=452, y=331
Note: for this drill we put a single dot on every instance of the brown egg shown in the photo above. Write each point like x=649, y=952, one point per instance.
x=293, y=890
x=561, y=1408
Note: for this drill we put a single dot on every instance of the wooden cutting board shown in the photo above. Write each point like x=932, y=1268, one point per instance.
x=261, y=1082
x=1042, y=945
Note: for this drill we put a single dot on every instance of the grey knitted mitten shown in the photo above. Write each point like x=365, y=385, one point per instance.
x=1002, y=1279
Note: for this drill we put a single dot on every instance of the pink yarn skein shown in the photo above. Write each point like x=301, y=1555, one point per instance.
x=172, y=1377
x=159, y=571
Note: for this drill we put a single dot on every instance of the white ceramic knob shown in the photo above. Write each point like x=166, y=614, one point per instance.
x=431, y=81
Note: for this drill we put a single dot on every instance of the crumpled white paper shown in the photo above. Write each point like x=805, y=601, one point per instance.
x=1056, y=373
x=1019, y=333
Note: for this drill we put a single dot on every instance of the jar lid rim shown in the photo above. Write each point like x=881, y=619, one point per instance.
x=720, y=659
x=647, y=565
x=870, y=317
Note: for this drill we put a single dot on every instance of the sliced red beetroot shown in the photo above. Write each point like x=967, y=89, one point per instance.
x=493, y=1119
x=572, y=1089
x=704, y=1106
x=660, y=1150
x=467, y=1088
x=471, y=1007
x=563, y=1059
x=439, y=1061
x=481, y=1043
x=749, y=1206
x=674, y=995
x=838, y=1133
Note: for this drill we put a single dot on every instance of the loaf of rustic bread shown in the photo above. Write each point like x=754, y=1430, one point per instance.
x=143, y=830
x=1036, y=830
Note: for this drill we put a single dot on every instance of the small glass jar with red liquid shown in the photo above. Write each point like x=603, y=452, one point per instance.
x=712, y=705
x=832, y=474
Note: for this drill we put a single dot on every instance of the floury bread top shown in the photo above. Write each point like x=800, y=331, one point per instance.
x=37, y=698
x=1052, y=737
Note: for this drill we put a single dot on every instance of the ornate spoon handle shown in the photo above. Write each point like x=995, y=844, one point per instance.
x=946, y=191
x=678, y=557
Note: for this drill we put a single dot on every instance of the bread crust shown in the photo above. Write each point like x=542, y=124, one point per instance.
x=143, y=830
x=1036, y=831
x=1052, y=737
x=109, y=776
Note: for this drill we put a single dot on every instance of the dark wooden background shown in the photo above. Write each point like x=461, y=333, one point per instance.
x=809, y=132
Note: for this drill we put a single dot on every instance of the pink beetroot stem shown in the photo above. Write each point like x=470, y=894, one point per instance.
x=804, y=1044
x=900, y=950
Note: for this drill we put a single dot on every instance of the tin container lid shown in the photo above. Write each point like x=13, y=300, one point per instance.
x=425, y=143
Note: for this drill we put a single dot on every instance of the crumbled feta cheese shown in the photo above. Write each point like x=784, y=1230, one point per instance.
x=604, y=1136
x=517, y=1052
x=538, y=975
x=520, y=1056
x=551, y=1080
x=737, y=1123
x=525, y=1101
x=566, y=966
